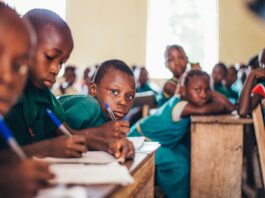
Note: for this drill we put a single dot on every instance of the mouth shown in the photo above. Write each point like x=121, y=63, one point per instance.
x=119, y=115
x=49, y=83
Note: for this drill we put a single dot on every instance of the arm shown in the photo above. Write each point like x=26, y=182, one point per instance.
x=247, y=102
x=219, y=104
x=169, y=89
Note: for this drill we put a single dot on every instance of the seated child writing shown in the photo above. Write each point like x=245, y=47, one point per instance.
x=113, y=84
x=18, y=179
x=170, y=125
x=176, y=62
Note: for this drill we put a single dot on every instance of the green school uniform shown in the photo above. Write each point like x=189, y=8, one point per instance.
x=227, y=92
x=172, y=159
x=164, y=97
x=28, y=119
x=82, y=111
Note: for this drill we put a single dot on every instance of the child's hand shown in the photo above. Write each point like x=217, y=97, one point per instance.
x=24, y=179
x=259, y=73
x=64, y=146
x=114, y=129
x=122, y=149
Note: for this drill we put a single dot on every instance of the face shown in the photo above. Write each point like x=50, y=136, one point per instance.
x=231, y=77
x=198, y=91
x=14, y=60
x=53, y=49
x=118, y=90
x=218, y=75
x=143, y=76
x=70, y=77
x=176, y=61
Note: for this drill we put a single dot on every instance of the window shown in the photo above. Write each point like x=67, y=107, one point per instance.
x=189, y=23
x=22, y=7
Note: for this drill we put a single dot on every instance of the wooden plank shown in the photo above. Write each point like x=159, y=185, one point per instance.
x=143, y=186
x=222, y=119
x=260, y=136
x=216, y=160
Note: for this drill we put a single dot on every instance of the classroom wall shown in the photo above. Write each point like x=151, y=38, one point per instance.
x=104, y=29
x=241, y=33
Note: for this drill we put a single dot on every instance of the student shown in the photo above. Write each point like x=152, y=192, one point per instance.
x=24, y=178
x=219, y=74
x=231, y=89
x=113, y=84
x=176, y=62
x=67, y=84
x=142, y=83
x=86, y=80
x=32, y=124
x=252, y=93
x=170, y=125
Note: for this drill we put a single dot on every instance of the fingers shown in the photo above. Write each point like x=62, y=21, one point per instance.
x=131, y=151
x=78, y=139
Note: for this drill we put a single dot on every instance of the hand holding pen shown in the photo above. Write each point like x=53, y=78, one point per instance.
x=58, y=123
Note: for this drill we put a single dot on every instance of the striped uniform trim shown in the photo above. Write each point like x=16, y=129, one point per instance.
x=139, y=130
x=177, y=110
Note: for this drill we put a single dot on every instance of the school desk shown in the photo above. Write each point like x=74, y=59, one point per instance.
x=217, y=155
x=142, y=169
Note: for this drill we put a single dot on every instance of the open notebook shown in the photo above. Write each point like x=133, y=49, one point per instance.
x=90, y=157
x=112, y=173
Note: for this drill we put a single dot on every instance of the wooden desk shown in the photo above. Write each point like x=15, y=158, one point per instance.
x=142, y=169
x=217, y=155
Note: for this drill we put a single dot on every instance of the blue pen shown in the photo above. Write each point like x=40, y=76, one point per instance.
x=8, y=136
x=112, y=116
x=58, y=123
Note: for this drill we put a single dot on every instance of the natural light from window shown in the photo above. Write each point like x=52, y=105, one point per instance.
x=189, y=23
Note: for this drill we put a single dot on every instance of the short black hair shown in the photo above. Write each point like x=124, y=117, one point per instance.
x=176, y=47
x=113, y=64
x=222, y=66
x=193, y=73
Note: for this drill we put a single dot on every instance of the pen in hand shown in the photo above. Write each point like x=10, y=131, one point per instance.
x=58, y=123
x=113, y=118
x=9, y=138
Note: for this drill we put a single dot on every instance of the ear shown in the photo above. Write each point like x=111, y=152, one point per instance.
x=92, y=88
x=182, y=91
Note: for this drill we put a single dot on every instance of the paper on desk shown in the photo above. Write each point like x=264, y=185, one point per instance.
x=137, y=141
x=62, y=192
x=148, y=147
x=90, y=157
x=112, y=173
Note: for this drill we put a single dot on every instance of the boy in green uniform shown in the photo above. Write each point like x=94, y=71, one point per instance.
x=170, y=124
x=19, y=179
x=113, y=84
x=176, y=61
x=32, y=123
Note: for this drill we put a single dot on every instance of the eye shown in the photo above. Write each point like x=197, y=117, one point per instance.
x=48, y=57
x=129, y=97
x=20, y=69
x=114, y=92
x=197, y=90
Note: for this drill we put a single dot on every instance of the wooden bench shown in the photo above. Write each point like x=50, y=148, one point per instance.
x=217, y=155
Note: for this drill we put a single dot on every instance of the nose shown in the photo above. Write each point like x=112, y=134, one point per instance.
x=203, y=94
x=122, y=101
x=55, y=69
x=6, y=73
